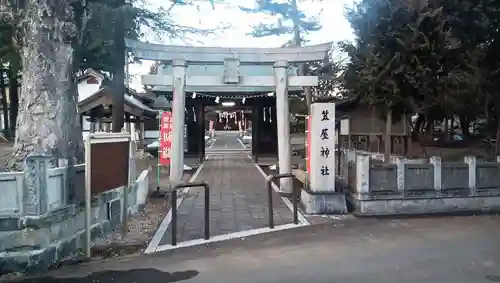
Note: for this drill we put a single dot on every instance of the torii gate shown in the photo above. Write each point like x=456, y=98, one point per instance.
x=231, y=80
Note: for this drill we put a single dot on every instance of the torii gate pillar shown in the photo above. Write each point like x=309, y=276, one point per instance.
x=282, y=118
x=178, y=106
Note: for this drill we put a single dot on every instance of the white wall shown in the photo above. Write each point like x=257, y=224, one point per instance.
x=152, y=134
x=84, y=91
x=1, y=120
x=85, y=124
x=344, y=127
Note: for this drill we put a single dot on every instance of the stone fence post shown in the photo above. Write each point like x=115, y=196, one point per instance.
x=35, y=185
x=472, y=162
x=69, y=175
x=400, y=180
x=436, y=161
x=344, y=163
x=132, y=162
x=351, y=155
x=363, y=174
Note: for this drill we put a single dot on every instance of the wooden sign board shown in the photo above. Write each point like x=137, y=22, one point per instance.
x=109, y=162
x=107, y=157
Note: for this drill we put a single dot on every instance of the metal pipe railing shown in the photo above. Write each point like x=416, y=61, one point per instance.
x=269, y=182
x=174, y=208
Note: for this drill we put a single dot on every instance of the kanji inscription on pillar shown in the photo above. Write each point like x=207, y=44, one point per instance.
x=322, y=147
x=165, y=137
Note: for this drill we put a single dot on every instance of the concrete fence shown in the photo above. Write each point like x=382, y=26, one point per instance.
x=42, y=213
x=15, y=194
x=419, y=186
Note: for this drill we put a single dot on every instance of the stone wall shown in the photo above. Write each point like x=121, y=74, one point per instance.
x=32, y=242
x=13, y=190
x=420, y=186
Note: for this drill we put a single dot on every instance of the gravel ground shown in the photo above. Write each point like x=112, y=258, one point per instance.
x=141, y=228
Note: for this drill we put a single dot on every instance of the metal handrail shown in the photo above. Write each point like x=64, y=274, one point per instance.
x=174, y=208
x=269, y=181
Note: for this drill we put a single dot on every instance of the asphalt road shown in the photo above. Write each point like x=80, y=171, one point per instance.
x=445, y=249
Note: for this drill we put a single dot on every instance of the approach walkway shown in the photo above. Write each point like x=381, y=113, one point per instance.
x=238, y=197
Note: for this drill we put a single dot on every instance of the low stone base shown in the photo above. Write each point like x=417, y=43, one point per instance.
x=420, y=206
x=39, y=260
x=32, y=244
x=324, y=202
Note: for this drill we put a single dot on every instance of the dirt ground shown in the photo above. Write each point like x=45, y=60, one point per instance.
x=141, y=226
x=6, y=150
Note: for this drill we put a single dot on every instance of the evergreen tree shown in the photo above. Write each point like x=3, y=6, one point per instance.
x=82, y=35
x=291, y=21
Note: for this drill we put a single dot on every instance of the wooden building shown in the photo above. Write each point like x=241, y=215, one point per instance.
x=95, y=106
x=9, y=103
x=361, y=127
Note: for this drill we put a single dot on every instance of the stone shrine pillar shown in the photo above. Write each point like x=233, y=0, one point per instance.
x=321, y=195
x=178, y=105
x=282, y=116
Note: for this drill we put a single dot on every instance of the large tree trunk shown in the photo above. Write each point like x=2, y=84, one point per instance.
x=464, y=125
x=417, y=129
x=387, y=136
x=48, y=121
x=446, y=130
x=118, y=112
x=429, y=128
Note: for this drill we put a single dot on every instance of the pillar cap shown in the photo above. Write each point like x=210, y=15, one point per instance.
x=179, y=63
x=280, y=64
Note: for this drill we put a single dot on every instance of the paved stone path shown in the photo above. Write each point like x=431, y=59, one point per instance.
x=226, y=140
x=238, y=197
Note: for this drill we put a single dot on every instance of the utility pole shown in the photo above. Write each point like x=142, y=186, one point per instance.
x=118, y=99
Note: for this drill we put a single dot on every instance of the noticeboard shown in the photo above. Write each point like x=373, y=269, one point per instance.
x=109, y=165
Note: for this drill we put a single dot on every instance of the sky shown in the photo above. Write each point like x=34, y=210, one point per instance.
x=330, y=14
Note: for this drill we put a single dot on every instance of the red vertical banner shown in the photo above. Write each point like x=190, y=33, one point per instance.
x=308, y=140
x=165, y=137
